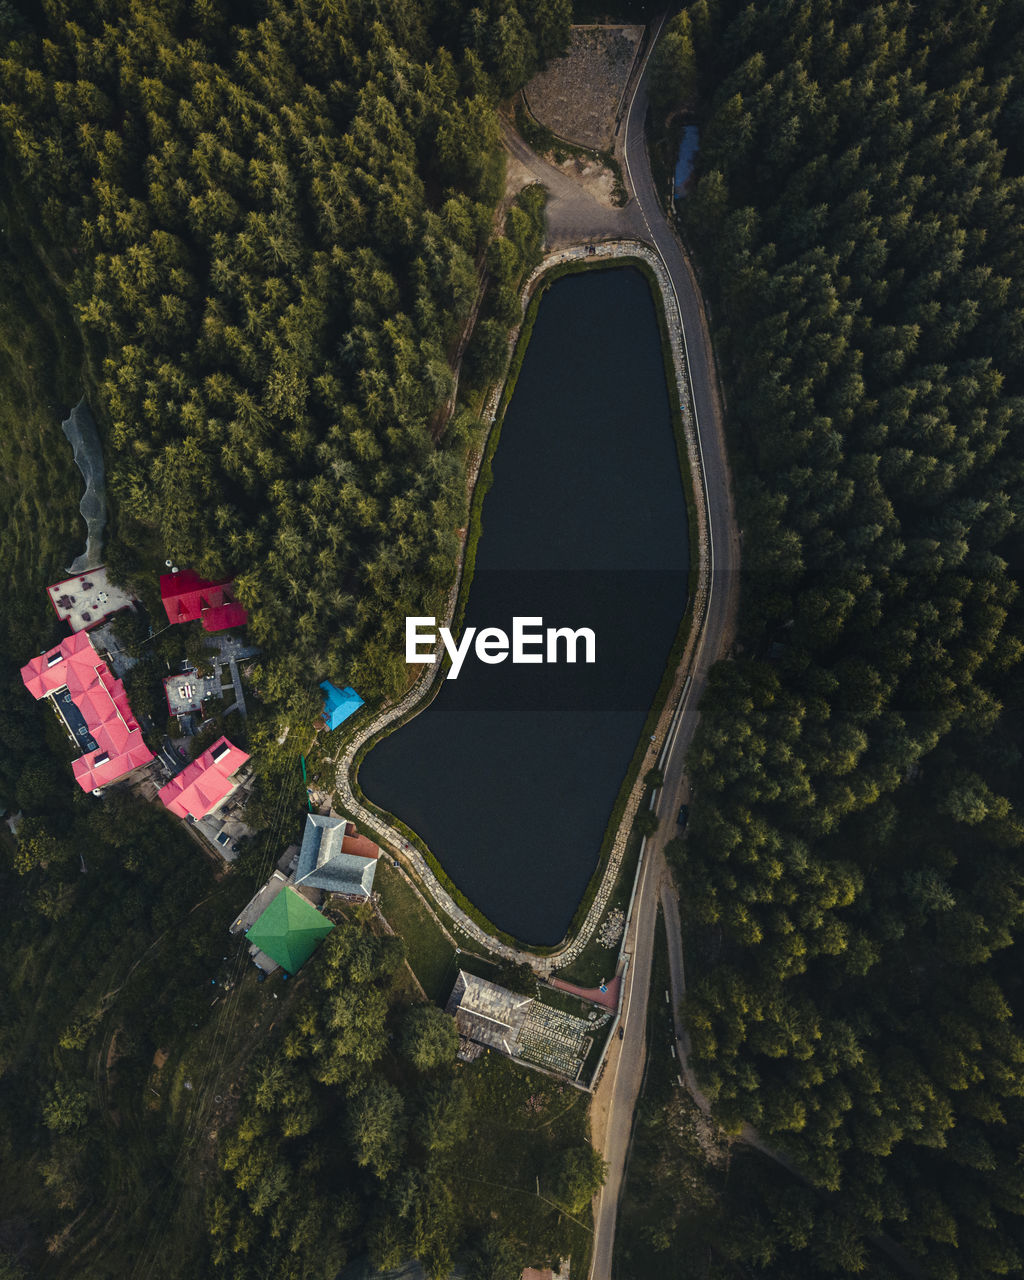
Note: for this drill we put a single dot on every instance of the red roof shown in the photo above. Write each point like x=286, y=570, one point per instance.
x=187, y=598
x=101, y=698
x=91, y=772
x=355, y=843
x=222, y=616
x=203, y=784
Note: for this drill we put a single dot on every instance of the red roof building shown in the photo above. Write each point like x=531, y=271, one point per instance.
x=223, y=616
x=93, y=704
x=206, y=783
x=189, y=598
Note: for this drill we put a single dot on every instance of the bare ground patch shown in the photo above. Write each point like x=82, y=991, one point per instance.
x=517, y=176
x=593, y=177
x=578, y=96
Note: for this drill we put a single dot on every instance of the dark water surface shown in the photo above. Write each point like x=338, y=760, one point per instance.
x=511, y=773
x=688, y=146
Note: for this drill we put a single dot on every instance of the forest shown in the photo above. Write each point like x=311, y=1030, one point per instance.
x=852, y=873
x=425, y=1144
x=269, y=226
x=163, y=1114
x=257, y=237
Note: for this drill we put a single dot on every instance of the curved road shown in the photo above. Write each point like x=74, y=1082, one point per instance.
x=626, y=1059
x=625, y=1064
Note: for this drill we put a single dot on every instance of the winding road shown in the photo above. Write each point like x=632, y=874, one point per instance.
x=620, y=1088
x=574, y=218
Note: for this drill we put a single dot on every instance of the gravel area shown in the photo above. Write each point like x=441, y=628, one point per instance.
x=578, y=95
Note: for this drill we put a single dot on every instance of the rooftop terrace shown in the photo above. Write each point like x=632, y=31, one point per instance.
x=88, y=598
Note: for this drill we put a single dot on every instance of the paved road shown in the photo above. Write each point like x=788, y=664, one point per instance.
x=716, y=638
x=625, y=1065
x=725, y=546
x=572, y=215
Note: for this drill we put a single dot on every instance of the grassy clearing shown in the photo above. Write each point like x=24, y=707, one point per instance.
x=431, y=956
x=525, y=1122
x=563, y=1000
x=596, y=961
x=482, y=966
x=594, y=1054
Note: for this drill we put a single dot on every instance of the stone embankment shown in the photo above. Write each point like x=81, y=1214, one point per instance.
x=418, y=695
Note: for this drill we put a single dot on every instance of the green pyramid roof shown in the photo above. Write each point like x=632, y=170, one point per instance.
x=289, y=930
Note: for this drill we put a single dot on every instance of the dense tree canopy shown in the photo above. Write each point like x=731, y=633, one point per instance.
x=269, y=224
x=853, y=865
x=346, y=1143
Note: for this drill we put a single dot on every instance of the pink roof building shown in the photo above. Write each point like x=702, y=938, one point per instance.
x=188, y=598
x=206, y=783
x=94, y=706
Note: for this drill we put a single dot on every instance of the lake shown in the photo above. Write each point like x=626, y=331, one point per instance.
x=511, y=773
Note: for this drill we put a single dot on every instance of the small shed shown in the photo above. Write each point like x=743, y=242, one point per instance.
x=339, y=704
x=289, y=929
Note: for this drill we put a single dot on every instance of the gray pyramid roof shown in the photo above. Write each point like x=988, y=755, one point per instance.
x=324, y=863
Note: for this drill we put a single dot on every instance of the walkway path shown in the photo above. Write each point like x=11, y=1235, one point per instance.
x=609, y=997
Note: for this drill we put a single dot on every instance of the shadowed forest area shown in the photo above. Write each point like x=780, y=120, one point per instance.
x=852, y=873
x=253, y=236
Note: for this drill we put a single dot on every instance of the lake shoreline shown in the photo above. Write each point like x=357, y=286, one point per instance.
x=644, y=294
x=462, y=916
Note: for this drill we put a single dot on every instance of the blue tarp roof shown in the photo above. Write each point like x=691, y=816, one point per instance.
x=339, y=704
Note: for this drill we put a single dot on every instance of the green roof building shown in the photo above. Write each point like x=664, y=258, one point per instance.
x=289, y=930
